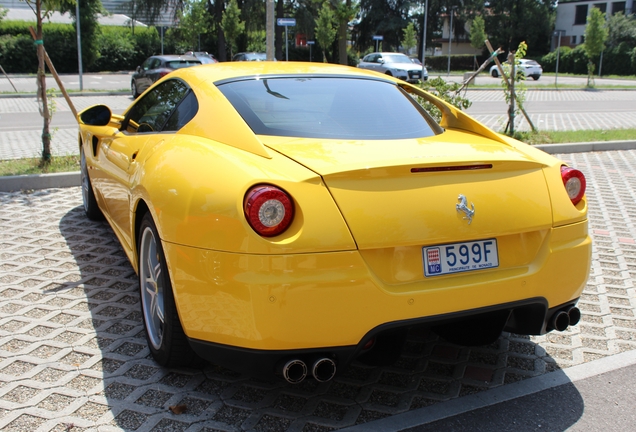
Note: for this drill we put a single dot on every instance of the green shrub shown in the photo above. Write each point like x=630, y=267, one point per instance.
x=116, y=49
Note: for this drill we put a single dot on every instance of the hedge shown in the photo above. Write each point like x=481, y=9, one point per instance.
x=119, y=49
x=620, y=60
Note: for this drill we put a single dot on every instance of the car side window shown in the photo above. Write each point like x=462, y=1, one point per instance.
x=151, y=112
x=185, y=111
x=146, y=64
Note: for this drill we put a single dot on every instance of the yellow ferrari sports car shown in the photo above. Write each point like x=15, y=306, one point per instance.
x=288, y=218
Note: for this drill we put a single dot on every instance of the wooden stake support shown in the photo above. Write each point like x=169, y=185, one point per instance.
x=56, y=76
x=5, y=74
x=511, y=88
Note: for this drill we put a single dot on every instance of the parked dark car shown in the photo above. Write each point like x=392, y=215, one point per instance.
x=156, y=67
x=249, y=56
x=204, y=56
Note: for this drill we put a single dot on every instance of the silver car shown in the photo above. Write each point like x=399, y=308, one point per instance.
x=530, y=68
x=394, y=64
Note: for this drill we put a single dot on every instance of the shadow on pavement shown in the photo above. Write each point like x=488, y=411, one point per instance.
x=124, y=387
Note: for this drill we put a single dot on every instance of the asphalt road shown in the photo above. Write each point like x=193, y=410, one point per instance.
x=121, y=81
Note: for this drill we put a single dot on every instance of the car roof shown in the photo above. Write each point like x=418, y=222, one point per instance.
x=169, y=57
x=229, y=71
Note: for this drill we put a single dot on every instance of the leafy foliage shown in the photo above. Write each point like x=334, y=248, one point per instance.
x=477, y=32
x=410, y=39
x=446, y=91
x=595, y=37
x=232, y=25
x=325, y=28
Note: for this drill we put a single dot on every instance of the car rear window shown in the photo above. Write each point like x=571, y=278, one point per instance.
x=328, y=107
x=178, y=64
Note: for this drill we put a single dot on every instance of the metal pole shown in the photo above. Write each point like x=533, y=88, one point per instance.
x=79, y=45
x=424, y=38
x=286, y=46
x=376, y=45
x=600, y=64
x=450, y=40
x=556, y=74
x=161, y=39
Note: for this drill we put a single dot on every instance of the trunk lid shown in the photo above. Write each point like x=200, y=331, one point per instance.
x=407, y=192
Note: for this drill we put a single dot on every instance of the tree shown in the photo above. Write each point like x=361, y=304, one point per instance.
x=410, y=38
x=477, y=32
x=510, y=22
x=345, y=13
x=325, y=30
x=595, y=37
x=621, y=29
x=195, y=20
x=232, y=25
x=43, y=9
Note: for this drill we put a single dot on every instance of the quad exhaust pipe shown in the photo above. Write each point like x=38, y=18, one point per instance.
x=562, y=319
x=295, y=371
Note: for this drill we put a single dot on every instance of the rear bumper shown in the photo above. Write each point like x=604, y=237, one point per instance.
x=291, y=303
x=529, y=316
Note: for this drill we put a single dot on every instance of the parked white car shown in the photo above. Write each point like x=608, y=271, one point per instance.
x=530, y=68
x=394, y=64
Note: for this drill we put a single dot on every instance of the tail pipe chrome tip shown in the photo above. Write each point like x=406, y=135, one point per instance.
x=324, y=369
x=295, y=371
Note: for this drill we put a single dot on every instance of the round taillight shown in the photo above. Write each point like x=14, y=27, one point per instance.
x=268, y=209
x=574, y=182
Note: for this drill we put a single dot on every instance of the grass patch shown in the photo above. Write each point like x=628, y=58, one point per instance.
x=12, y=167
x=558, y=137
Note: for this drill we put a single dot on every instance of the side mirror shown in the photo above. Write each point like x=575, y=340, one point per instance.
x=98, y=115
x=138, y=69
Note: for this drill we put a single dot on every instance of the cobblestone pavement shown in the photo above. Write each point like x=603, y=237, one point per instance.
x=73, y=355
x=27, y=143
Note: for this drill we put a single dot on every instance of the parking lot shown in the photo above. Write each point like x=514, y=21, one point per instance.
x=73, y=354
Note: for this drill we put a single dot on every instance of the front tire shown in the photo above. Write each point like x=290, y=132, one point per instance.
x=133, y=89
x=167, y=342
x=88, y=196
x=494, y=73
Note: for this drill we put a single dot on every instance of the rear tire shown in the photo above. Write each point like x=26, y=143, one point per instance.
x=91, y=208
x=167, y=342
x=494, y=73
x=536, y=77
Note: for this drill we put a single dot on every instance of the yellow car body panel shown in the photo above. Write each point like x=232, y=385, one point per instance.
x=282, y=302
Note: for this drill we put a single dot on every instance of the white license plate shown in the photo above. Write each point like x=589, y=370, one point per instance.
x=416, y=75
x=460, y=257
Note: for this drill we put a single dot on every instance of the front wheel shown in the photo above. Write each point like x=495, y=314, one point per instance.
x=166, y=339
x=133, y=89
x=536, y=77
x=494, y=73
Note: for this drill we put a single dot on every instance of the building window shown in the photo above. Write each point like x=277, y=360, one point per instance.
x=618, y=7
x=601, y=6
x=580, y=17
x=573, y=40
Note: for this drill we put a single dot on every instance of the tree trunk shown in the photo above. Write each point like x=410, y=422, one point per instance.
x=342, y=38
x=41, y=82
x=221, y=45
x=278, y=43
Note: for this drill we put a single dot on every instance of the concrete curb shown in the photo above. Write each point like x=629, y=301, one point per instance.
x=71, y=179
x=39, y=181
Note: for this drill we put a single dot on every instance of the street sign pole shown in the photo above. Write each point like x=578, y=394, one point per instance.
x=311, y=44
x=377, y=39
x=286, y=22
